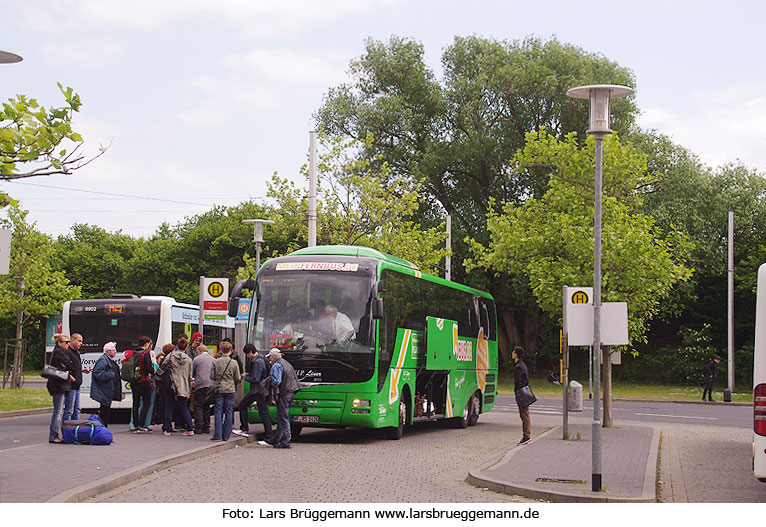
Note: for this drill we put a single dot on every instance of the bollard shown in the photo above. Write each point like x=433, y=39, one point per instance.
x=574, y=401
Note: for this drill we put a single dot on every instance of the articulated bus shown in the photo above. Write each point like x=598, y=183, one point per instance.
x=421, y=348
x=122, y=319
x=759, y=380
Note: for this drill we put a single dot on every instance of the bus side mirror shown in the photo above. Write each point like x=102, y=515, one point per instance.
x=377, y=308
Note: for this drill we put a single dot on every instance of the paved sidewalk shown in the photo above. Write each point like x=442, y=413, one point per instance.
x=550, y=468
x=70, y=473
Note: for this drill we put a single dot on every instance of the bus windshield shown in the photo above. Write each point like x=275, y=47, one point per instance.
x=320, y=321
x=102, y=321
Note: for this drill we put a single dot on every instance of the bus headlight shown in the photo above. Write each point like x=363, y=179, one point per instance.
x=360, y=403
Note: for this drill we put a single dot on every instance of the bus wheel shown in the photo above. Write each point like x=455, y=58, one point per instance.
x=462, y=421
x=396, y=432
x=295, y=430
x=473, y=410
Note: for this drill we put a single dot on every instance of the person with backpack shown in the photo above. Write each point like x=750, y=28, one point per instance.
x=176, y=374
x=225, y=376
x=284, y=378
x=105, y=385
x=138, y=370
x=259, y=370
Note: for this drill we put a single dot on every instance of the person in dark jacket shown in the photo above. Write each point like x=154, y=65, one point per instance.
x=58, y=389
x=283, y=376
x=521, y=379
x=142, y=388
x=710, y=372
x=259, y=370
x=105, y=384
x=72, y=401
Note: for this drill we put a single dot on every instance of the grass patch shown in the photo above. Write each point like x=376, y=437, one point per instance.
x=625, y=389
x=24, y=399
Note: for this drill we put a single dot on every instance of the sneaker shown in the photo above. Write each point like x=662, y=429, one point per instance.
x=216, y=439
x=525, y=440
x=240, y=433
x=264, y=443
x=189, y=433
x=166, y=433
x=280, y=445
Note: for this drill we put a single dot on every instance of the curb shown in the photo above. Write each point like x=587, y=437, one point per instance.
x=479, y=477
x=83, y=492
x=21, y=413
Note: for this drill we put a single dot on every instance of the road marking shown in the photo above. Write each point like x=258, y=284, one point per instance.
x=680, y=416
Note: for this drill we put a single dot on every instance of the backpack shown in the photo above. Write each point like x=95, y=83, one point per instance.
x=130, y=370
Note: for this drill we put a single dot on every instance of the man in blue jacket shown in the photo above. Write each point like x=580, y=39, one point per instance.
x=284, y=378
x=258, y=371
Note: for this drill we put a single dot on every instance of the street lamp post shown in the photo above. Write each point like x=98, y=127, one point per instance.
x=600, y=96
x=258, y=239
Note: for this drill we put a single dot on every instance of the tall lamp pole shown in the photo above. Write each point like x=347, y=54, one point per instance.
x=600, y=96
x=258, y=239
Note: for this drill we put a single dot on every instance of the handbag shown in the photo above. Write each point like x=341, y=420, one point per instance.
x=51, y=372
x=525, y=395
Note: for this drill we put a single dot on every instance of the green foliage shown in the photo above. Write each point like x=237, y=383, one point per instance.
x=550, y=239
x=33, y=289
x=359, y=204
x=35, y=141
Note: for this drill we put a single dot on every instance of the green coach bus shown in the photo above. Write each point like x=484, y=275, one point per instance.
x=375, y=342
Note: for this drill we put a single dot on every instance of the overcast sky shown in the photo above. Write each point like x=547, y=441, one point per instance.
x=202, y=101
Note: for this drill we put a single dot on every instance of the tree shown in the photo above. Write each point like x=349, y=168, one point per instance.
x=550, y=239
x=457, y=135
x=359, y=204
x=32, y=289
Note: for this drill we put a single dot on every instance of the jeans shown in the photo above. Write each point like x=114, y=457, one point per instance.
x=105, y=413
x=263, y=413
x=283, y=435
x=202, y=410
x=224, y=415
x=141, y=409
x=175, y=407
x=57, y=416
x=72, y=405
x=142, y=396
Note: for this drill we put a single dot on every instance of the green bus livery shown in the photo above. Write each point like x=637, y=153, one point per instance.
x=375, y=342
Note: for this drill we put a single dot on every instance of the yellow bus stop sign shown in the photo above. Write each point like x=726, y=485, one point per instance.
x=580, y=297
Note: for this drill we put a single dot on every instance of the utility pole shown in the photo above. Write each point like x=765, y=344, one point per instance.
x=730, y=303
x=312, y=188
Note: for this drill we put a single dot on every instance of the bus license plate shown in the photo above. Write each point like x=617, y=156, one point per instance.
x=305, y=419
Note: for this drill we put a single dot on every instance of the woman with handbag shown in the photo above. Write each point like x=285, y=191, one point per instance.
x=524, y=395
x=105, y=384
x=225, y=376
x=58, y=388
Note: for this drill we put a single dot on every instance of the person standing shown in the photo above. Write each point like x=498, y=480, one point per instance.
x=259, y=370
x=521, y=379
x=284, y=378
x=203, y=387
x=142, y=387
x=710, y=372
x=57, y=388
x=225, y=376
x=105, y=385
x=72, y=401
x=191, y=347
x=178, y=368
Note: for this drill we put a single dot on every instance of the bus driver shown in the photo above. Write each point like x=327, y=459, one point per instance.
x=342, y=329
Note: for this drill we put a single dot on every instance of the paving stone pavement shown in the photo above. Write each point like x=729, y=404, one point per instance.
x=429, y=464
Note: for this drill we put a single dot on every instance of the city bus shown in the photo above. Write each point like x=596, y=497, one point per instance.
x=421, y=347
x=759, y=380
x=122, y=318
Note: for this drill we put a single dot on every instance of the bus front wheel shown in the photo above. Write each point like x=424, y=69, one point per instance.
x=396, y=432
x=473, y=410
